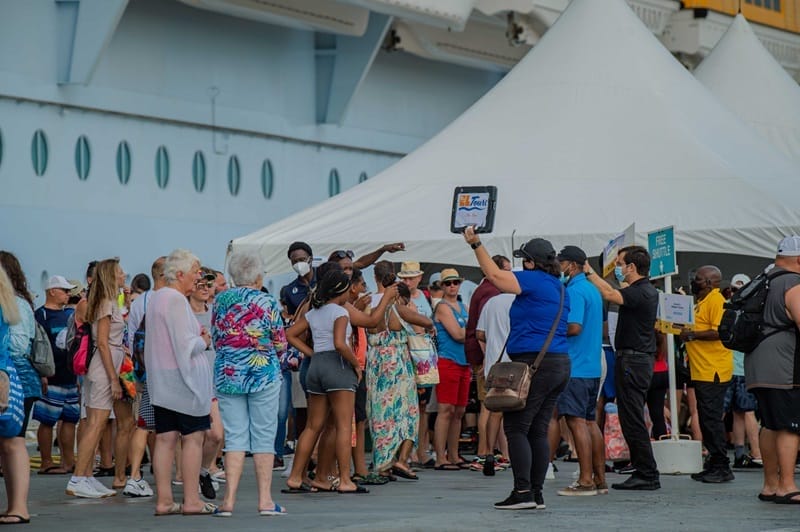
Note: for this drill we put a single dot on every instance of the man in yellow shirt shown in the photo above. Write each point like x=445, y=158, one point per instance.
x=711, y=366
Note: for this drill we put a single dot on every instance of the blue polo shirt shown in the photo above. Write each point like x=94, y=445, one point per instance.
x=533, y=312
x=293, y=294
x=586, y=310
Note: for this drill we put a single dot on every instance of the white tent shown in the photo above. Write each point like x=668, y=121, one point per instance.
x=745, y=77
x=597, y=127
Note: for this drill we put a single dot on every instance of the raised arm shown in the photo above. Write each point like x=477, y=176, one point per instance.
x=505, y=281
x=370, y=258
x=607, y=292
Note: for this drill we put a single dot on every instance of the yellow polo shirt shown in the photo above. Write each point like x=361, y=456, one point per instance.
x=709, y=358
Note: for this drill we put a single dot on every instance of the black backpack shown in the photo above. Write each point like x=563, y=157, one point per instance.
x=742, y=325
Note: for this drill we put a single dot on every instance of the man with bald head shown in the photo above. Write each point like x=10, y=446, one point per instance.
x=711, y=366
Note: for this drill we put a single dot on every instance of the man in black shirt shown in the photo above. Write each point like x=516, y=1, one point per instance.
x=635, y=343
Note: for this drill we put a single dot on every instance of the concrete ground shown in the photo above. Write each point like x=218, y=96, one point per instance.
x=440, y=500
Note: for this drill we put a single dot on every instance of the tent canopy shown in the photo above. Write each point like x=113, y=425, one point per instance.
x=596, y=128
x=745, y=77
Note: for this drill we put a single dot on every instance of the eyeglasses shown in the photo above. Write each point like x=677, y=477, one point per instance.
x=341, y=254
x=452, y=283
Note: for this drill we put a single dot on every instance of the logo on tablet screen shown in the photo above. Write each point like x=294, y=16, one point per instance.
x=472, y=202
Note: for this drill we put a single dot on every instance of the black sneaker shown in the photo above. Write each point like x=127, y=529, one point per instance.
x=747, y=462
x=636, y=483
x=718, y=476
x=518, y=501
x=699, y=476
x=206, y=487
x=539, y=500
x=488, y=465
x=627, y=470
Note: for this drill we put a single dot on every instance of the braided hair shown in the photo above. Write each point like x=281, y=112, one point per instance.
x=334, y=283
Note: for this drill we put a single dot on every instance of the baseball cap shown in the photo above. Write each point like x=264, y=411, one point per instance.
x=537, y=249
x=78, y=288
x=789, y=247
x=410, y=269
x=739, y=280
x=572, y=254
x=58, y=281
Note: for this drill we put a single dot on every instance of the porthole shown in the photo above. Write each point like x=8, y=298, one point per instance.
x=199, y=171
x=362, y=177
x=234, y=175
x=267, y=179
x=83, y=158
x=334, y=184
x=123, y=162
x=162, y=167
x=1, y=147
x=39, y=152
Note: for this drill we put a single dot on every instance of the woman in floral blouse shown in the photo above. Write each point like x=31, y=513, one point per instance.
x=249, y=340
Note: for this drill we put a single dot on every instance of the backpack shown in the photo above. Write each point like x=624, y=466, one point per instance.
x=80, y=345
x=41, y=355
x=742, y=325
x=137, y=346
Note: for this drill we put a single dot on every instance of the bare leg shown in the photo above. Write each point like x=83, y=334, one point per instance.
x=423, y=443
x=124, y=413
x=95, y=423
x=16, y=475
x=317, y=411
x=326, y=456
x=441, y=432
x=264, y=462
x=769, y=454
x=502, y=441
x=786, y=443
x=44, y=437
x=359, y=455
x=553, y=435
x=583, y=444
x=234, y=463
x=136, y=451
x=751, y=430
x=493, y=425
x=213, y=438
x=454, y=434
x=191, y=457
x=163, y=456
x=342, y=404
x=178, y=461
x=598, y=453
x=66, y=441
x=106, y=444
x=483, y=432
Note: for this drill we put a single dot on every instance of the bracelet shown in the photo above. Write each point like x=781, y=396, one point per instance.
x=476, y=245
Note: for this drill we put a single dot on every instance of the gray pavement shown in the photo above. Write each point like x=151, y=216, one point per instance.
x=440, y=500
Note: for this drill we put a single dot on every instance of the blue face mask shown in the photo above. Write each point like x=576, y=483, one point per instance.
x=618, y=274
x=564, y=278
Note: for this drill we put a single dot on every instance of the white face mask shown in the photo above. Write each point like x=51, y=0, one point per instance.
x=302, y=268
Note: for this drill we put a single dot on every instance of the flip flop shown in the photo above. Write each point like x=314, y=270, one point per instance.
x=53, y=470
x=788, y=498
x=766, y=498
x=175, y=509
x=302, y=489
x=358, y=491
x=208, y=509
x=19, y=520
x=402, y=473
x=447, y=467
x=277, y=510
x=430, y=464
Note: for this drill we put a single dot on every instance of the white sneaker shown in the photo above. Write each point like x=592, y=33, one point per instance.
x=137, y=488
x=100, y=488
x=551, y=474
x=288, y=471
x=83, y=488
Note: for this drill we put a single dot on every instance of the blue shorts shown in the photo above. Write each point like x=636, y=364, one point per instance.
x=738, y=397
x=61, y=403
x=579, y=398
x=250, y=420
x=609, y=388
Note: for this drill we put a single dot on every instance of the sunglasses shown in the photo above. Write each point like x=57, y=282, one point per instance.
x=341, y=254
x=451, y=283
x=204, y=284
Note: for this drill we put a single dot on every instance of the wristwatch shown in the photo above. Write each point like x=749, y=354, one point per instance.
x=476, y=245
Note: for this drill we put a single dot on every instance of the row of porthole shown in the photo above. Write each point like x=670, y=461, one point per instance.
x=39, y=158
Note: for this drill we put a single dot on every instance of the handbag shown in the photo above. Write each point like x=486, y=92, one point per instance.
x=508, y=383
x=13, y=415
x=423, y=354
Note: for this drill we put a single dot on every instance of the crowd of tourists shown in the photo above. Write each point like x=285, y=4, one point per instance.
x=192, y=371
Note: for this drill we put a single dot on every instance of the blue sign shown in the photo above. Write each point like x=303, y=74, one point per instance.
x=661, y=245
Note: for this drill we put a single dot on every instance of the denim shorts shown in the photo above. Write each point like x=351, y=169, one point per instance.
x=579, y=398
x=738, y=397
x=250, y=420
x=329, y=372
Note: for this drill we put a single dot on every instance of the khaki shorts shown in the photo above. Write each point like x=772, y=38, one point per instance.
x=480, y=382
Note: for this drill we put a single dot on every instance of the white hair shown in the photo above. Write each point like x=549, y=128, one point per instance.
x=180, y=260
x=245, y=267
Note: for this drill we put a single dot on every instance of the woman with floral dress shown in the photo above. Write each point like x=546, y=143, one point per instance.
x=392, y=405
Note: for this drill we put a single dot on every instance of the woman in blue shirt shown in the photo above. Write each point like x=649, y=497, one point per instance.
x=535, y=309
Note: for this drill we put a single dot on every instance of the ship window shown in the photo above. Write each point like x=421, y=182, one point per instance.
x=162, y=167
x=334, y=184
x=123, y=162
x=83, y=158
x=199, y=171
x=234, y=175
x=363, y=177
x=39, y=152
x=267, y=179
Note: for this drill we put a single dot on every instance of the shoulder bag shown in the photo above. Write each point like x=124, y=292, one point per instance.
x=508, y=383
x=422, y=350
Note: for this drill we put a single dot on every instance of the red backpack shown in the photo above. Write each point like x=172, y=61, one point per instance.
x=80, y=345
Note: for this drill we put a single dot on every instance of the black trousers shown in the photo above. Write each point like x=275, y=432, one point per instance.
x=656, y=396
x=633, y=373
x=526, y=429
x=710, y=402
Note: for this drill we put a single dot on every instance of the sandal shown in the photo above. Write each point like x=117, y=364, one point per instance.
x=207, y=509
x=447, y=467
x=175, y=509
x=402, y=473
x=789, y=498
x=303, y=488
x=19, y=520
x=373, y=479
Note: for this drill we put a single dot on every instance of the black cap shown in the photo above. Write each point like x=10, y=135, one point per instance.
x=572, y=254
x=537, y=249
